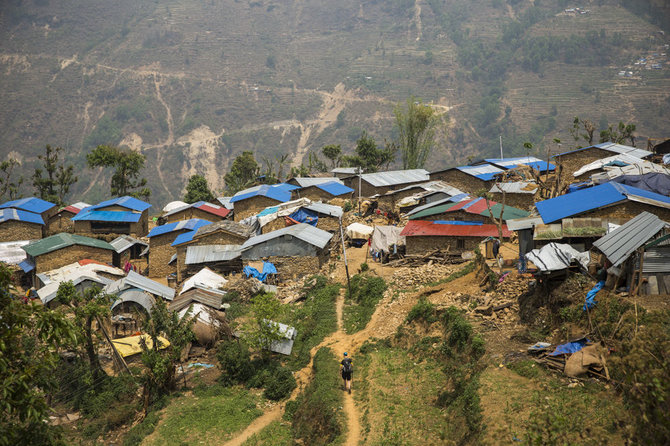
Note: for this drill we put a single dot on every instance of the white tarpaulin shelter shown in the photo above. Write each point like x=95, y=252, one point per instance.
x=384, y=237
x=281, y=210
x=557, y=256
x=359, y=230
x=205, y=278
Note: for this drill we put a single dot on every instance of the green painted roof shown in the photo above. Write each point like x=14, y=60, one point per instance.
x=510, y=212
x=475, y=206
x=63, y=240
x=432, y=211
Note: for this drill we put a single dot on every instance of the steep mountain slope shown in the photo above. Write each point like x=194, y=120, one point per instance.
x=190, y=83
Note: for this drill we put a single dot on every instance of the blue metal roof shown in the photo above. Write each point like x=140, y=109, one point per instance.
x=585, y=200
x=280, y=192
x=89, y=214
x=511, y=163
x=484, y=172
x=27, y=265
x=19, y=215
x=191, y=224
x=30, y=204
x=334, y=188
x=126, y=202
x=185, y=237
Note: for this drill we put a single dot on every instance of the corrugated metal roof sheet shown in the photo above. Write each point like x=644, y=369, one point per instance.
x=450, y=201
x=191, y=224
x=394, y=177
x=334, y=188
x=313, y=181
x=123, y=242
x=280, y=192
x=346, y=170
x=517, y=187
x=90, y=214
x=140, y=297
x=126, y=202
x=518, y=224
x=624, y=240
x=225, y=202
x=204, y=206
x=598, y=164
x=483, y=171
x=212, y=253
x=442, y=229
x=206, y=279
x=76, y=207
x=134, y=280
x=614, y=148
x=207, y=297
x=325, y=209
x=302, y=231
x=63, y=240
x=8, y=214
x=12, y=253
x=30, y=204
x=225, y=226
x=27, y=265
x=472, y=206
x=656, y=260
x=430, y=186
x=511, y=163
x=585, y=200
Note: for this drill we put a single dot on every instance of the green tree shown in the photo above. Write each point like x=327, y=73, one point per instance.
x=160, y=363
x=582, y=129
x=368, y=157
x=264, y=329
x=197, y=189
x=333, y=153
x=127, y=165
x=88, y=308
x=619, y=134
x=7, y=182
x=53, y=181
x=416, y=124
x=243, y=172
x=31, y=337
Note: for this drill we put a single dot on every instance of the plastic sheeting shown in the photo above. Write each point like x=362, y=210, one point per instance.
x=268, y=268
x=131, y=345
x=384, y=237
x=557, y=256
x=359, y=231
x=305, y=216
x=653, y=182
x=570, y=347
x=590, y=301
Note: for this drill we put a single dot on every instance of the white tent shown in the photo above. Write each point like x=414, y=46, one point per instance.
x=205, y=278
x=358, y=231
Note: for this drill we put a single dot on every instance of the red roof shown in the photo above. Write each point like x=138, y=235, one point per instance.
x=431, y=228
x=474, y=206
x=218, y=210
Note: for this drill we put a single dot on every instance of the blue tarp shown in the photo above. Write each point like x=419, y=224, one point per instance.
x=334, y=188
x=268, y=268
x=305, y=216
x=570, y=347
x=590, y=296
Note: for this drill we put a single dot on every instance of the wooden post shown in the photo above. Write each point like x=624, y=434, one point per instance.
x=115, y=352
x=344, y=253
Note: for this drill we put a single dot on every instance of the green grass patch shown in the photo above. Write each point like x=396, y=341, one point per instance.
x=467, y=269
x=276, y=433
x=316, y=415
x=525, y=368
x=360, y=304
x=212, y=412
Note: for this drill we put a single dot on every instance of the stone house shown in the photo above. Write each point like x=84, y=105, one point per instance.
x=35, y=205
x=520, y=194
x=200, y=209
x=253, y=200
x=416, y=193
x=296, y=251
x=327, y=216
x=570, y=162
x=469, y=179
x=222, y=259
x=423, y=237
x=61, y=221
x=17, y=225
x=343, y=172
x=122, y=215
x=324, y=192
x=63, y=249
x=161, y=251
x=379, y=183
x=609, y=200
x=127, y=248
x=225, y=232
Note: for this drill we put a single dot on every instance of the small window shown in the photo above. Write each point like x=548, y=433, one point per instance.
x=460, y=243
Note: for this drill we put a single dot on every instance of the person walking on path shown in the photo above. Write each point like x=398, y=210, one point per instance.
x=347, y=370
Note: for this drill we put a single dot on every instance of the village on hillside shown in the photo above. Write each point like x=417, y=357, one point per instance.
x=601, y=213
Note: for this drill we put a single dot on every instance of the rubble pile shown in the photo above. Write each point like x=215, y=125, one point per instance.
x=290, y=291
x=513, y=285
x=245, y=287
x=406, y=277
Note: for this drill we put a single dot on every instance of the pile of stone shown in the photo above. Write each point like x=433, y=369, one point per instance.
x=406, y=277
x=513, y=285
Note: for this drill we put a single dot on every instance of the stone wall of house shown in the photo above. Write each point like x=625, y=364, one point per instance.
x=628, y=210
x=418, y=245
x=71, y=254
x=316, y=194
x=572, y=162
x=330, y=224
x=160, y=253
x=521, y=201
x=463, y=181
x=61, y=222
x=13, y=230
x=291, y=268
x=214, y=238
x=189, y=213
x=252, y=206
x=277, y=223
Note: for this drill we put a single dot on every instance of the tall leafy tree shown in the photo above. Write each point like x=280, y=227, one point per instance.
x=333, y=153
x=197, y=189
x=8, y=184
x=618, y=134
x=126, y=164
x=53, y=180
x=242, y=173
x=368, y=156
x=31, y=337
x=416, y=124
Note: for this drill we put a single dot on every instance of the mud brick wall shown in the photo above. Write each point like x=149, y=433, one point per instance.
x=628, y=210
x=572, y=162
x=120, y=260
x=458, y=216
x=252, y=206
x=71, y=254
x=418, y=245
x=13, y=230
x=160, y=252
x=330, y=224
x=316, y=194
x=290, y=268
x=189, y=213
x=275, y=224
x=463, y=181
x=60, y=222
x=215, y=238
x=521, y=201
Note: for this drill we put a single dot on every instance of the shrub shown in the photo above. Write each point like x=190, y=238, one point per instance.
x=365, y=267
x=279, y=385
x=366, y=292
x=423, y=310
x=235, y=361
